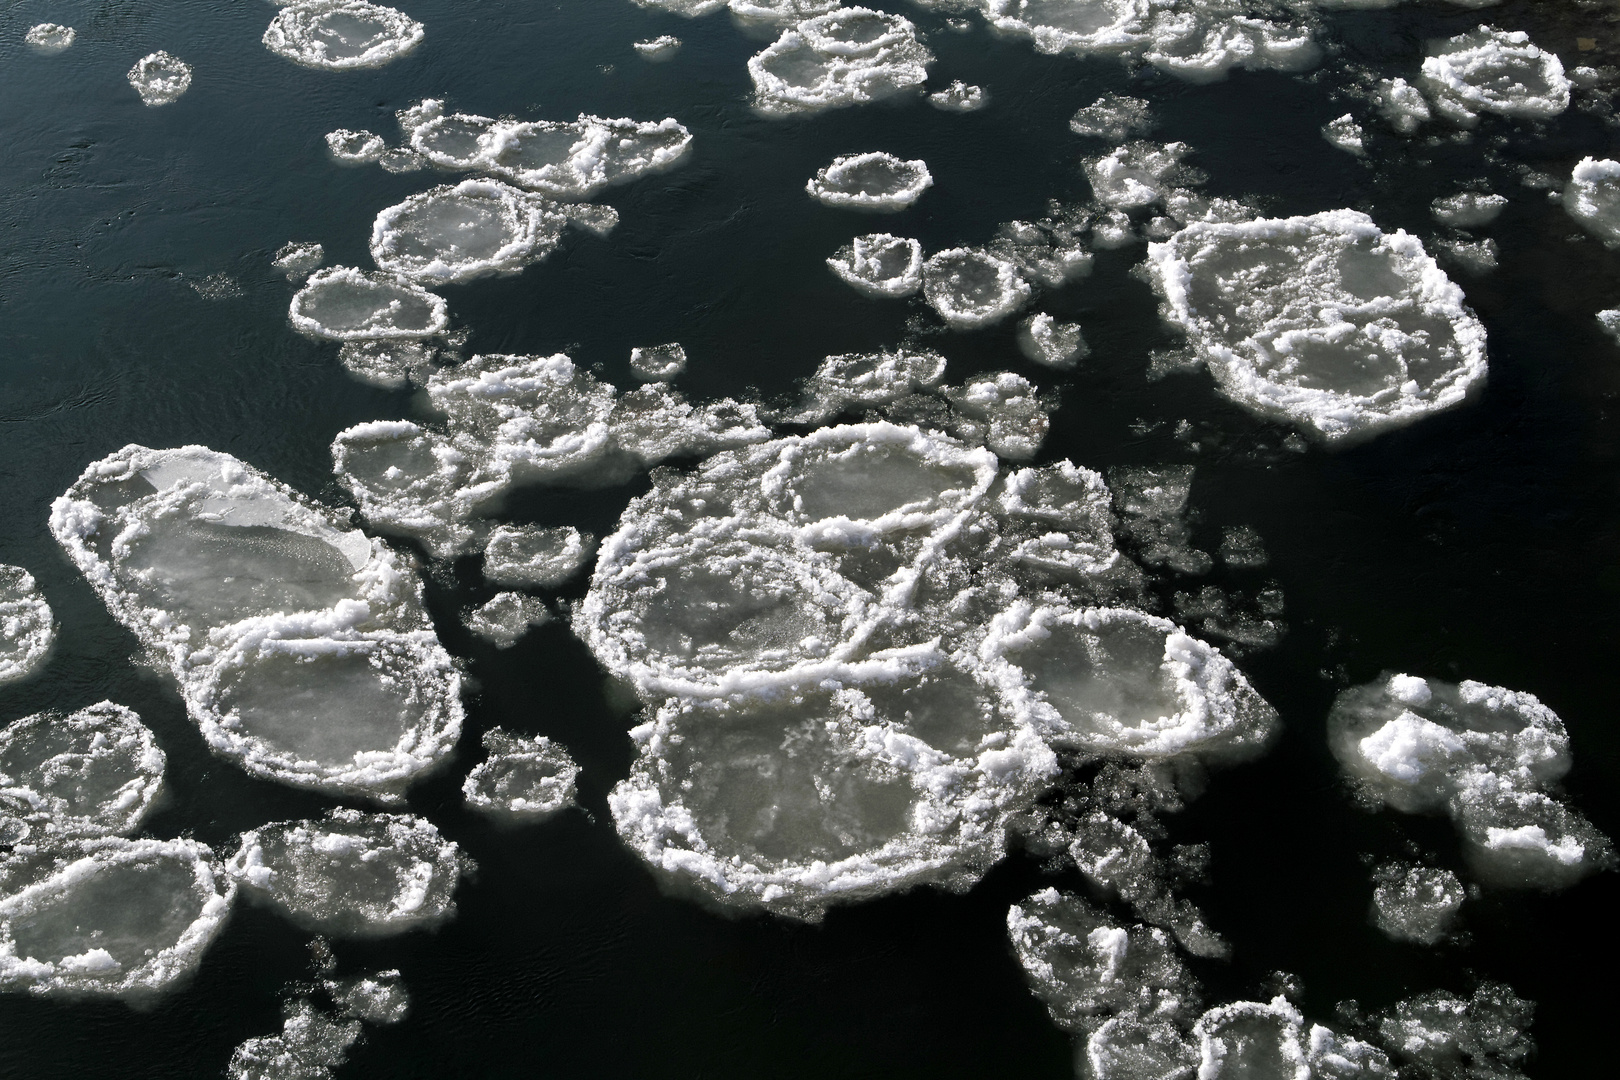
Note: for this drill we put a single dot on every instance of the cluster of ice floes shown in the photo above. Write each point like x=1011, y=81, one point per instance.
x=27, y=627
x=1488, y=757
x=880, y=264
x=301, y=647
x=473, y=229
x=876, y=181
x=849, y=56
x=1593, y=198
x=341, y=35
x=50, y=37
x=342, y=303
x=523, y=779
x=1323, y=321
x=160, y=78
x=512, y=421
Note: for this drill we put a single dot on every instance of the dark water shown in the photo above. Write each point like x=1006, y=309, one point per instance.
x=1482, y=544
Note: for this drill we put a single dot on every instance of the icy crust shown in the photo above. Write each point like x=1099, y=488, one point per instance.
x=530, y=557
x=970, y=287
x=512, y=421
x=1052, y=344
x=353, y=873
x=1322, y=321
x=880, y=264
x=50, y=37
x=1485, y=755
x=850, y=56
x=1593, y=198
x=526, y=778
x=1416, y=903
x=113, y=918
x=477, y=228
x=93, y=773
x=27, y=627
x=345, y=304
x=876, y=181
x=355, y=147
x=308, y=1047
x=1488, y=70
x=160, y=78
x=301, y=647
x=341, y=35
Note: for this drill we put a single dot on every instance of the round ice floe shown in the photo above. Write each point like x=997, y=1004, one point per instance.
x=27, y=628
x=339, y=35
x=353, y=873
x=345, y=304
x=959, y=97
x=1468, y=209
x=1416, y=903
x=506, y=617
x=450, y=141
x=658, y=363
x=93, y=773
x=116, y=917
x=473, y=229
x=875, y=181
x=972, y=288
x=1323, y=321
x=1489, y=70
x=308, y=1047
x=1593, y=198
x=530, y=557
x=880, y=264
x=1077, y=26
x=355, y=147
x=160, y=78
x=50, y=37
x=1002, y=410
x=301, y=647
x=523, y=777
x=1052, y=344
x=847, y=57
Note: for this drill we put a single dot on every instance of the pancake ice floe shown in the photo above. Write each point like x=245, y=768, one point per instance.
x=658, y=363
x=1052, y=344
x=355, y=147
x=1468, y=209
x=27, y=627
x=1114, y=117
x=341, y=35
x=344, y=304
x=877, y=181
x=880, y=264
x=1346, y=134
x=160, y=78
x=970, y=287
x=309, y=1046
x=529, y=556
x=50, y=37
x=1495, y=71
x=297, y=258
x=524, y=778
x=850, y=56
x=477, y=228
x=95, y=772
x=505, y=617
x=959, y=97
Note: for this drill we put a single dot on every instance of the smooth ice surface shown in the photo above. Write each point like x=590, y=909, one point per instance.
x=1468, y=209
x=506, y=617
x=1114, y=117
x=27, y=627
x=1416, y=903
x=301, y=647
x=959, y=97
x=876, y=181
x=93, y=773
x=880, y=264
x=308, y=1047
x=355, y=147
x=970, y=287
x=1323, y=321
x=455, y=233
x=1593, y=198
x=1346, y=134
x=341, y=35
x=1485, y=755
x=849, y=56
x=524, y=777
x=50, y=37
x=345, y=304
x=528, y=556
x=353, y=873
x=1052, y=344
x=1496, y=71
x=658, y=363
x=160, y=78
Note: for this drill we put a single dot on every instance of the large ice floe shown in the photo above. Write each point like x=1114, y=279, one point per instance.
x=875, y=181
x=1495, y=71
x=880, y=264
x=344, y=304
x=1593, y=198
x=341, y=35
x=93, y=773
x=353, y=873
x=301, y=647
x=1488, y=757
x=1322, y=321
x=160, y=78
x=473, y=229
x=525, y=778
x=27, y=627
x=849, y=56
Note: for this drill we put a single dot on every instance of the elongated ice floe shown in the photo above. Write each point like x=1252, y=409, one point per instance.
x=27, y=627
x=353, y=873
x=1496, y=71
x=657, y=49
x=473, y=229
x=160, y=78
x=970, y=287
x=524, y=778
x=50, y=37
x=1468, y=209
x=876, y=181
x=849, y=56
x=93, y=773
x=342, y=35
x=345, y=304
x=1485, y=755
x=1323, y=321
x=301, y=647
x=1592, y=198
x=880, y=264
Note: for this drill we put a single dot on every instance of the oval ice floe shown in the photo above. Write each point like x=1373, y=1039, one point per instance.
x=1052, y=344
x=847, y=57
x=341, y=35
x=525, y=778
x=971, y=288
x=529, y=556
x=27, y=627
x=50, y=37
x=1496, y=71
x=876, y=181
x=160, y=78
x=880, y=264
x=95, y=772
x=473, y=229
x=345, y=304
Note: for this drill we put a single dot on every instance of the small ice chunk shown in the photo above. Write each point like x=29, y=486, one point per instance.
x=1468, y=209
x=1497, y=71
x=876, y=181
x=1052, y=344
x=1002, y=410
x=309, y=1046
x=1114, y=117
x=1402, y=105
x=297, y=258
x=1416, y=903
x=1243, y=549
x=880, y=264
x=353, y=873
x=658, y=363
x=970, y=287
x=93, y=773
x=344, y=304
x=849, y=56
x=1610, y=321
x=659, y=48
x=1441, y=1034
x=857, y=381
x=1346, y=134
x=1474, y=257
x=389, y=364
x=477, y=228
x=959, y=97
x=527, y=778
x=377, y=999
x=50, y=37
x=27, y=627
x=689, y=8
x=355, y=147
x=1593, y=198
x=160, y=78
x=506, y=617
x=1138, y=175
x=1113, y=230
x=571, y=161
x=341, y=35
x=530, y=557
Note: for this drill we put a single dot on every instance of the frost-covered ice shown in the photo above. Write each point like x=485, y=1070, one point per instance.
x=301, y=647
x=297, y=258
x=1114, y=117
x=1472, y=257
x=1440, y=1034
x=1152, y=506
x=524, y=777
x=345, y=304
x=1468, y=209
x=876, y=181
x=353, y=873
x=849, y=56
x=659, y=48
x=341, y=35
x=50, y=37
x=160, y=78
x=27, y=627
x=1402, y=105
x=880, y=264
x=355, y=147
x=1496, y=71
x=970, y=287
x=1416, y=903
x=852, y=382
x=93, y=773
x=112, y=917
x=309, y=1046
x=455, y=233
x=1346, y=134
x=527, y=556
x=1249, y=1040
x=1052, y=344
x=506, y=617
x=1610, y=321
x=1485, y=755
x=1138, y=175
x=959, y=97
x=1002, y=410
x=658, y=363
x=1322, y=321
x=379, y=998
x=1593, y=198
x=389, y=364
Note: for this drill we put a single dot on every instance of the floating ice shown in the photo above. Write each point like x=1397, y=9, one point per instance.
x=847, y=57
x=971, y=288
x=1488, y=70
x=1402, y=105
x=506, y=617
x=1323, y=321
x=689, y=8
x=376, y=999
x=875, y=181
x=309, y=1046
x=859, y=381
x=1152, y=505
x=27, y=627
x=1468, y=209
x=297, y=258
x=1052, y=344
x=1047, y=252
x=880, y=264
x=1471, y=256
x=1249, y=1040
x=659, y=48
x=341, y=35
x=50, y=37
x=1116, y=858
x=959, y=97
x=524, y=778
x=160, y=78
x=1002, y=410
x=1113, y=117
x=1416, y=903
x=355, y=147
x=1484, y=754
x=93, y=773
x=353, y=873
x=658, y=363
x=1346, y=134
x=473, y=229
x=1610, y=321
x=1440, y=1034
x=114, y=917
x=531, y=557
x=780, y=11
x=401, y=159
x=1138, y=175
x=302, y=648
x=1593, y=198
x=389, y=364
x=345, y=304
